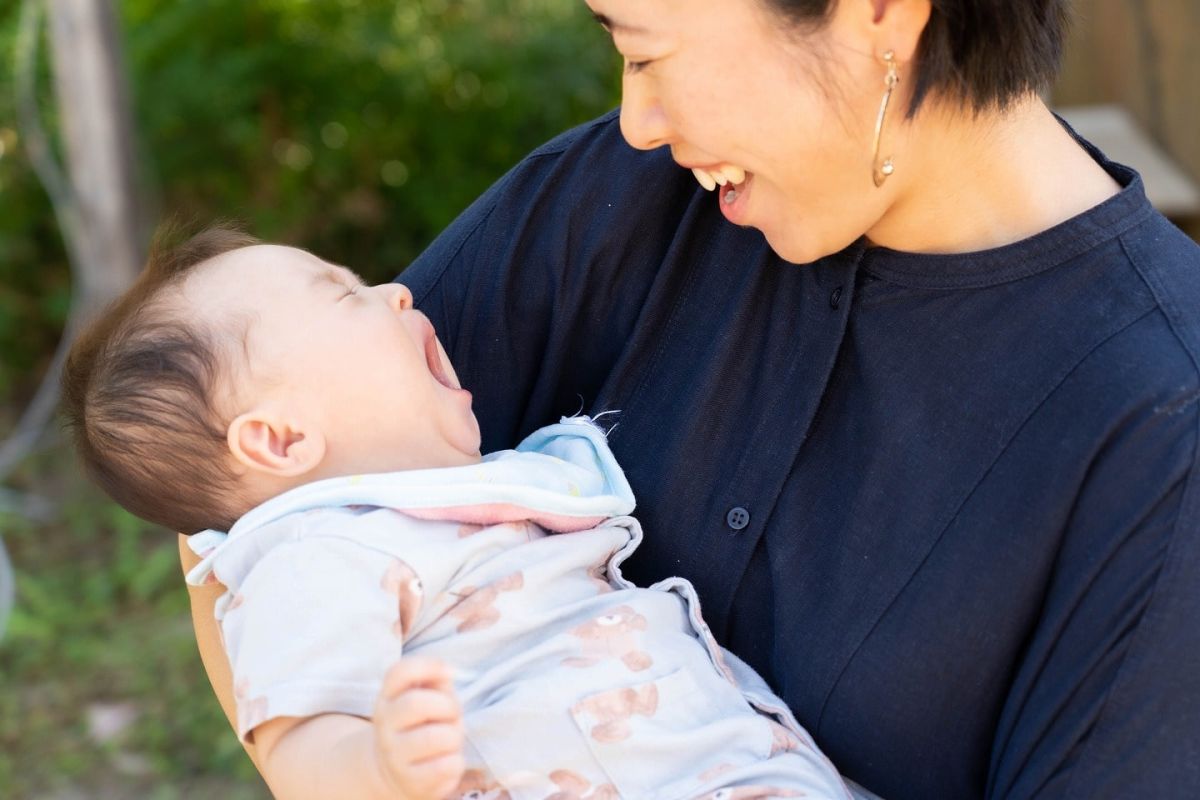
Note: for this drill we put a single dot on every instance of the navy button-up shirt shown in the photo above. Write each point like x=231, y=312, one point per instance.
x=946, y=505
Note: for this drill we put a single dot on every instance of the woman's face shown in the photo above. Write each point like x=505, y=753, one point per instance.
x=727, y=84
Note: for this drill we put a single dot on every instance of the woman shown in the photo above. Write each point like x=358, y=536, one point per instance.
x=937, y=484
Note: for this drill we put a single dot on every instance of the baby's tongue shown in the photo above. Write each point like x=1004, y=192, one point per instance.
x=434, y=357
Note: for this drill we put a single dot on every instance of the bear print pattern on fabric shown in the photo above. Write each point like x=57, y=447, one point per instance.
x=714, y=772
x=613, y=710
x=402, y=582
x=476, y=607
x=614, y=635
x=573, y=786
x=783, y=740
x=478, y=785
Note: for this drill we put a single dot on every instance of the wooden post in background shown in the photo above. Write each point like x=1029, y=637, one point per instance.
x=95, y=202
x=1145, y=56
x=98, y=143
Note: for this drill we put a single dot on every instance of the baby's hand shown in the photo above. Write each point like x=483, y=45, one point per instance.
x=418, y=730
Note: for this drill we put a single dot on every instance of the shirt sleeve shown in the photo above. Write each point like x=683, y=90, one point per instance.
x=1106, y=699
x=314, y=627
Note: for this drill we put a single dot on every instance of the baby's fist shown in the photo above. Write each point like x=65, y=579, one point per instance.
x=419, y=730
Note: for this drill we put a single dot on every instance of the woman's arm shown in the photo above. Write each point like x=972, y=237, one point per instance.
x=1104, y=702
x=208, y=640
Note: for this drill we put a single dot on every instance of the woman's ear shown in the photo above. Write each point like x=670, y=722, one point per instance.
x=275, y=444
x=895, y=25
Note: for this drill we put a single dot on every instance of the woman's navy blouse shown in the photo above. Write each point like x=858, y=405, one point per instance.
x=947, y=505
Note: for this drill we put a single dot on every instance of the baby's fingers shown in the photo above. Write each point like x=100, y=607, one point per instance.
x=436, y=777
x=428, y=742
x=413, y=672
x=424, y=762
x=417, y=707
x=414, y=755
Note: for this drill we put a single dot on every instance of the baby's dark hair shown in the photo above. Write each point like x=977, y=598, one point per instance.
x=139, y=388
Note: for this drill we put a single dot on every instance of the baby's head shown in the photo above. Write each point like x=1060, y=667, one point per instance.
x=233, y=371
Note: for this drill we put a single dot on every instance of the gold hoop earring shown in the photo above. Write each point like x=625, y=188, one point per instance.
x=881, y=170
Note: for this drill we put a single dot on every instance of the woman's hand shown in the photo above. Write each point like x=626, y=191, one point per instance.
x=419, y=730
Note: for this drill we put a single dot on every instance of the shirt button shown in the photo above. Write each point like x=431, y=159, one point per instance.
x=737, y=518
x=835, y=298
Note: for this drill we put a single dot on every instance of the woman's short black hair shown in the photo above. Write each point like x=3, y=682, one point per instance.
x=985, y=53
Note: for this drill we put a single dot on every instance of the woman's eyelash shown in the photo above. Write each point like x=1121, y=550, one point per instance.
x=634, y=67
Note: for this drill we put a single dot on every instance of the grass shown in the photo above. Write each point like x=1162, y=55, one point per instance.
x=102, y=626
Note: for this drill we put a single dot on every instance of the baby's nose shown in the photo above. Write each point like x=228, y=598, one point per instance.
x=398, y=295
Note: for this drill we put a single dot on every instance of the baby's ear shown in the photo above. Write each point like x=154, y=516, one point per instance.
x=274, y=444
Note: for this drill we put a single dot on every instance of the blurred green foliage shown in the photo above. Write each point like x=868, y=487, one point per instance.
x=102, y=620
x=358, y=129
x=354, y=128
x=34, y=279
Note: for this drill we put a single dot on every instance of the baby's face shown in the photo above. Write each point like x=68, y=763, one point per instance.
x=353, y=364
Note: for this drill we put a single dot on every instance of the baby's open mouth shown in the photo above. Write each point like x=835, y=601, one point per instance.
x=434, y=359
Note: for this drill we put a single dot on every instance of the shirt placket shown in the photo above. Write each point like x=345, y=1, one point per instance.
x=741, y=509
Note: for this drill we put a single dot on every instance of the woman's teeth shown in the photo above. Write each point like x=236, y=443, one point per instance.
x=711, y=179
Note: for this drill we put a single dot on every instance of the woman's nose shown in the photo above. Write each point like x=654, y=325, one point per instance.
x=397, y=294
x=644, y=124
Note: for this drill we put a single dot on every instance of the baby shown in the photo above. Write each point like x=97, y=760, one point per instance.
x=399, y=619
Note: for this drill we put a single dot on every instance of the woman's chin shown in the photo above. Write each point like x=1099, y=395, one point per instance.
x=792, y=251
x=796, y=246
